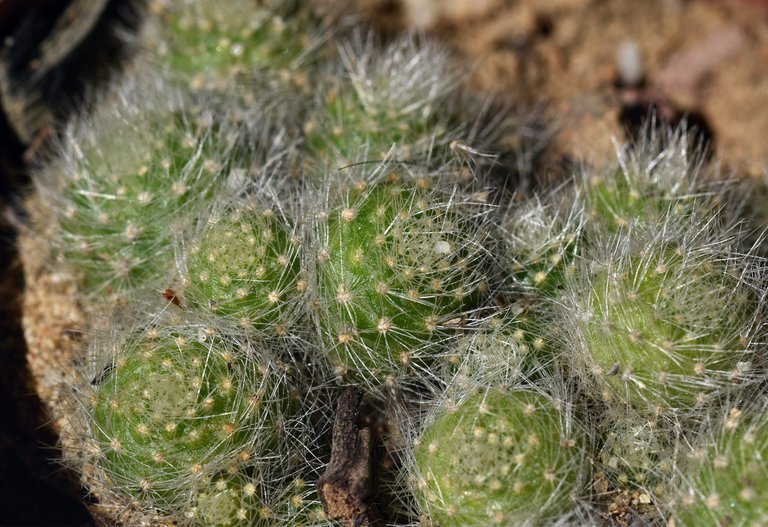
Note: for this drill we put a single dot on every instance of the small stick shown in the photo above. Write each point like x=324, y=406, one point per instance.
x=345, y=486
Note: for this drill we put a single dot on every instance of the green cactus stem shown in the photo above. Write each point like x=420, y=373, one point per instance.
x=177, y=405
x=398, y=266
x=246, y=267
x=663, y=321
x=498, y=458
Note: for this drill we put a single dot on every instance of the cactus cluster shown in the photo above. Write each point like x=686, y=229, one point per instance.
x=258, y=253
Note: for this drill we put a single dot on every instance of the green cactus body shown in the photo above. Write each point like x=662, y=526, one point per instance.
x=354, y=131
x=499, y=458
x=176, y=407
x=664, y=330
x=727, y=480
x=654, y=177
x=620, y=201
x=246, y=267
x=540, y=241
x=215, y=41
x=397, y=268
x=120, y=215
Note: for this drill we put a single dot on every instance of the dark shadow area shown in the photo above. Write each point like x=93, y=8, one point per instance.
x=53, y=56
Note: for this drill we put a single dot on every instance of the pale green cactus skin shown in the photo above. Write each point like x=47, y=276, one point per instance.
x=245, y=267
x=726, y=482
x=662, y=325
x=498, y=458
x=397, y=266
x=177, y=405
x=119, y=216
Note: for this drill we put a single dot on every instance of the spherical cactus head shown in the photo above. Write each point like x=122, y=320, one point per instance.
x=213, y=42
x=510, y=346
x=498, y=457
x=662, y=173
x=178, y=404
x=726, y=480
x=245, y=267
x=398, y=265
x=125, y=193
x=663, y=322
x=385, y=102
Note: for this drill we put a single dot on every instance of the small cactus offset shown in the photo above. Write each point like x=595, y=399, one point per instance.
x=245, y=267
x=121, y=194
x=511, y=345
x=661, y=174
x=214, y=42
x=399, y=102
x=498, y=457
x=638, y=452
x=541, y=237
x=398, y=264
x=178, y=403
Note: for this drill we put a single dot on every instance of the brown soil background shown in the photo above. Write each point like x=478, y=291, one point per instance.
x=708, y=58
